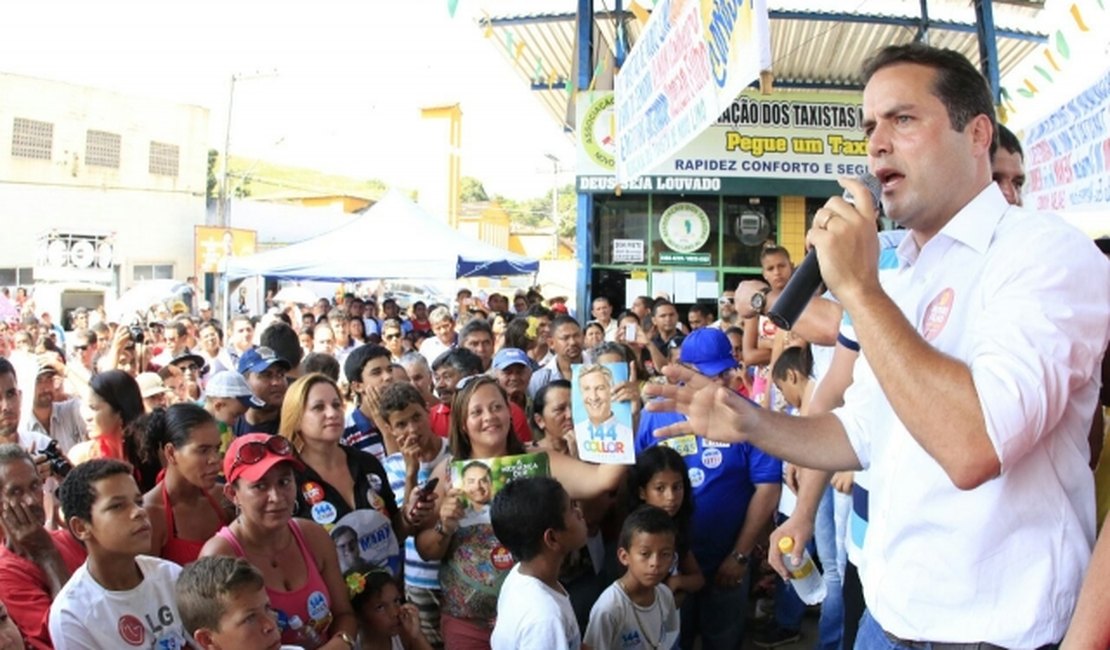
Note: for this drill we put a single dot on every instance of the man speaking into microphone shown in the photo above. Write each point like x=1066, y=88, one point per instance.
x=973, y=397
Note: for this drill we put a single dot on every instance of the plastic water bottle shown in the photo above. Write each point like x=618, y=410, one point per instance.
x=807, y=580
x=304, y=635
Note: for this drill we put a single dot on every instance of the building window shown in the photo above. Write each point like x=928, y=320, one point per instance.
x=16, y=277
x=102, y=149
x=164, y=158
x=32, y=139
x=152, y=272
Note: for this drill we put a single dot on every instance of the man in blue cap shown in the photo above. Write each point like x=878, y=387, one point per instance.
x=736, y=488
x=513, y=370
x=265, y=374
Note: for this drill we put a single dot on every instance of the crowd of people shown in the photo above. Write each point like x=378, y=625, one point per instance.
x=319, y=476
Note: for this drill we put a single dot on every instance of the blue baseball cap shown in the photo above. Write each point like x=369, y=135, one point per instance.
x=708, y=350
x=506, y=357
x=259, y=359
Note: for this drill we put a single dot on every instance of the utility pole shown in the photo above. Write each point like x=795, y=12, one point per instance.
x=554, y=204
x=223, y=206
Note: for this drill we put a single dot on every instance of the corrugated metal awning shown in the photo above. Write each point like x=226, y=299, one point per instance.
x=813, y=44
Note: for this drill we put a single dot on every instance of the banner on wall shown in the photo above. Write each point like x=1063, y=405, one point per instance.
x=800, y=136
x=1067, y=155
x=213, y=244
x=692, y=59
x=1071, y=59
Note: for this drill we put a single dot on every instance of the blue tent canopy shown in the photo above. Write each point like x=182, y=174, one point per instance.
x=395, y=238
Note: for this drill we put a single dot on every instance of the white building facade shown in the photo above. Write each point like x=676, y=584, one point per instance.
x=97, y=187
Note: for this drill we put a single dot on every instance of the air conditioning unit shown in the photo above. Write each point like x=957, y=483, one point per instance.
x=75, y=257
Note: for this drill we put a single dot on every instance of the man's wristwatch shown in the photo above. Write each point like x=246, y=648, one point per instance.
x=759, y=300
x=740, y=558
x=439, y=528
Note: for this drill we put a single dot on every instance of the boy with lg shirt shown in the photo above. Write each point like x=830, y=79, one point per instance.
x=119, y=598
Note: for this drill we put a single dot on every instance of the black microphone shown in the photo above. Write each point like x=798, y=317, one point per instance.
x=807, y=277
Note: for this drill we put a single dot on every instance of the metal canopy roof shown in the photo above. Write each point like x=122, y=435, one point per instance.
x=811, y=46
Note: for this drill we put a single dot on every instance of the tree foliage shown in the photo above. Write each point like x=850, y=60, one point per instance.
x=471, y=189
x=536, y=212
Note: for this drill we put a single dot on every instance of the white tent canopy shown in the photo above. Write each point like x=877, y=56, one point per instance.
x=395, y=238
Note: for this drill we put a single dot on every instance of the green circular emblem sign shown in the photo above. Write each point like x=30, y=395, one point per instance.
x=599, y=136
x=684, y=227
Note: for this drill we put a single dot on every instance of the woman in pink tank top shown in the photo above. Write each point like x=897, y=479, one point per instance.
x=296, y=557
x=184, y=506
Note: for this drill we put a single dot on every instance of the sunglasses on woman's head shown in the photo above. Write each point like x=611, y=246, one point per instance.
x=253, y=452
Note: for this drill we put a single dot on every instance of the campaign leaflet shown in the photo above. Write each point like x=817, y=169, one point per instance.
x=480, y=479
x=602, y=427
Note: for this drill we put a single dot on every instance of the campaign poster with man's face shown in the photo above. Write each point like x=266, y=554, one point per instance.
x=602, y=427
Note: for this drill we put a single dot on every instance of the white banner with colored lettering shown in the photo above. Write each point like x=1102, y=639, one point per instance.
x=802, y=136
x=691, y=61
x=1067, y=155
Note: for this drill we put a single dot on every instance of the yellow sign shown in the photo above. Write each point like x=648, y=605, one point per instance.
x=212, y=245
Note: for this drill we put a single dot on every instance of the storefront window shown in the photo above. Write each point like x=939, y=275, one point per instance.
x=686, y=230
x=620, y=227
x=749, y=223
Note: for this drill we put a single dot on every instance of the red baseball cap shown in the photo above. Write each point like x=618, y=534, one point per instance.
x=263, y=451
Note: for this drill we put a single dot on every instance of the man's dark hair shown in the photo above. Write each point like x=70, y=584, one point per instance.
x=283, y=340
x=524, y=510
x=1008, y=141
x=240, y=318
x=475, y=325
x=179, y=328
x=461, y=359
x=700, y=309
x=659, y=304
x=958, y=85
x=322, y=363
x=797, y=359
x=646, y=519
x=6, y=368
x=359, y=357
x=76, y=494
x=398, y=396
x=561, y=320
x=100, y=328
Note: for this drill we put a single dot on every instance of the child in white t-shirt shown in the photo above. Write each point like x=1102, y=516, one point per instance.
x=119, y=598
x=537, y=521
x=638, y=611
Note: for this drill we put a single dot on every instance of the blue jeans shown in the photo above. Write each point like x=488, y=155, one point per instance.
x=718, y=614
x=829, y=538
x=871, y=636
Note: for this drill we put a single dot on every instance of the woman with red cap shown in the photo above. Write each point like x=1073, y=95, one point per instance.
x=296, y=557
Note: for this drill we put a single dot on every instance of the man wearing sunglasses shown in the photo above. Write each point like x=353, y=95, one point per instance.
x=265, y=374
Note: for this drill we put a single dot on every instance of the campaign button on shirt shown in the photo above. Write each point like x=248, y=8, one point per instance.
x=313, y=492
x=317, y=606
x=697, y=476
x=501, y=557
x=324, y=513
x=684, y=445
x=711, y=458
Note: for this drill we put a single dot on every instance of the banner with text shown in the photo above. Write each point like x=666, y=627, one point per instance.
x=801, y=136
x=213, y=244
x=691, y=61
x=1067, y=155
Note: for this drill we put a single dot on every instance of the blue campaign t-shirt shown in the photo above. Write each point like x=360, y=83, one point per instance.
x=723, y=477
